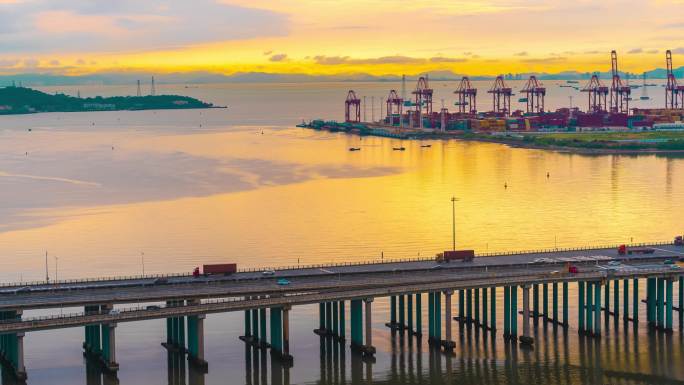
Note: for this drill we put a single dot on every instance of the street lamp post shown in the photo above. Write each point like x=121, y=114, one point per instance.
x=453, y=223
x=142, y=260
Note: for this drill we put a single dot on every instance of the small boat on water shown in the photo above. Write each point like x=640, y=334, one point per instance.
x=398, y=148
x=425, y=145
x=354, y=148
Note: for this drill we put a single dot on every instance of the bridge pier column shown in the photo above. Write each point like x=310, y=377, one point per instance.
x=660, y=302
x=448, y=343
x=409, y=313
x=402, y=312
x=438, y=316
x=195, y=333
x=485, y=316
x=279, y=333
x=492, y=304
x=342, y=329
x=419, y=314
x=597, y=309
x=335, y=319
x=581, y=312
x=431, y=317
x=461, y=306
x=12, y=348
x=476, y=307
x=286, y=330
x=356, y=324
x=248, y=327
x=554, y=301
x=321, y=319
x=635, y=301
x=566, y=318
x=514, y=312
x=668, y=303
x=681, y=302
x=368, y=348
x=507, y=312
x=606, y=299
x=535, y=300
x=175, y=330
x=328, y=318
x=526, y=339
x=590, y=308
x=20, y=368
x=263, y=337
x=469, y=306
x=109, y=347
x=651, y=301
x=616, y=298
x=255, y=327
x=393, y=312
x=625, y=300
x=545, y=301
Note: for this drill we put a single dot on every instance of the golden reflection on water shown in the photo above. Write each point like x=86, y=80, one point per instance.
x=301, y=196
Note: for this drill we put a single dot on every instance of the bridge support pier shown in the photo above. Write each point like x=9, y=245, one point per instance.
x=469, y=306
x=597, y=309
x=196, y=340
x=581, y=312
x=535, y=301
x=368, y=348
x=461, y=306
x=514, y=313
x=175, y=330
x=681, y=302
x=526, y=338
x=668, y=303
x=280, y=334
x=590, y=308
x=566, y=318
x=448, y=343
x=393, y=313
x=554, y=303
x=616, y=298
x=635, y=300
x=247, y=337
x=492, y=304
x=485, y=312
x=545, y=301
x=625, y=300
x=507, y=312
x=342, y=322
x=476, y=307
x=402, y=312
x=12, y=348
x=419, y=314
x=100, y=340
x=409, y=314
x=651, y=302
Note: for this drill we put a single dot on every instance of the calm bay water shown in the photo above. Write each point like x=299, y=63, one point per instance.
x=108, y=193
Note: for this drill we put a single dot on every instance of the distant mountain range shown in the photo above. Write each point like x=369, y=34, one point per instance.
x=33, y=79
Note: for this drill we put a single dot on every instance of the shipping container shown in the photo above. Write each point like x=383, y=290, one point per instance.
x=460, y=255
x=222, y=268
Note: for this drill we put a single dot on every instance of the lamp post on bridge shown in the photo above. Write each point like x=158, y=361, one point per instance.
x=453, y=222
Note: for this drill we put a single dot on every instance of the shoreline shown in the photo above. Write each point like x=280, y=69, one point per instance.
x=404, y=134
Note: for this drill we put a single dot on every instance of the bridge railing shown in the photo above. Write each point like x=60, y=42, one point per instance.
x=373, y=261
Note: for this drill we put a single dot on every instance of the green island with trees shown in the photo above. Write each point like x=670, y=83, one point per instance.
x=22, y=100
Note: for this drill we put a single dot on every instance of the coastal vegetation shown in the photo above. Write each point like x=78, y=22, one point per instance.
x=22, y=100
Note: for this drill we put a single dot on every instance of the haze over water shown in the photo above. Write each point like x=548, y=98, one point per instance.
x=103, y=191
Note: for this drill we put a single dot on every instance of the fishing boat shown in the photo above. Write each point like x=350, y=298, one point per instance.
x=398, y=148
x=354, y=148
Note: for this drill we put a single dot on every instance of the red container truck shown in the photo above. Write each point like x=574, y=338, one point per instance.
x=215, y=269
x=458, y=255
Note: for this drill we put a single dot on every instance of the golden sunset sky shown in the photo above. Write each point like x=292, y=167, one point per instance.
x=337, y=36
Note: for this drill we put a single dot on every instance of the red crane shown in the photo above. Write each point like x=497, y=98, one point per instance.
x=394, y=107
x=598, y=94
x=352, y=108
x=423, y=94
x=467, y=96
x=619, y=93
x=501, y=96
x=674, y=93
x=534, y=95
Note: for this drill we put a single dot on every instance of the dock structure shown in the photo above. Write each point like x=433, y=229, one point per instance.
x=351, y=289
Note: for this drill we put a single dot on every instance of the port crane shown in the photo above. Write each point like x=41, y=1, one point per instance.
x=674, y=93
x=352, y=108
x=394, y=107
x=423, y=94
x=501, y=96
x=598, y=94
x=534, y=95
x=467, y=97
x=619, y=92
